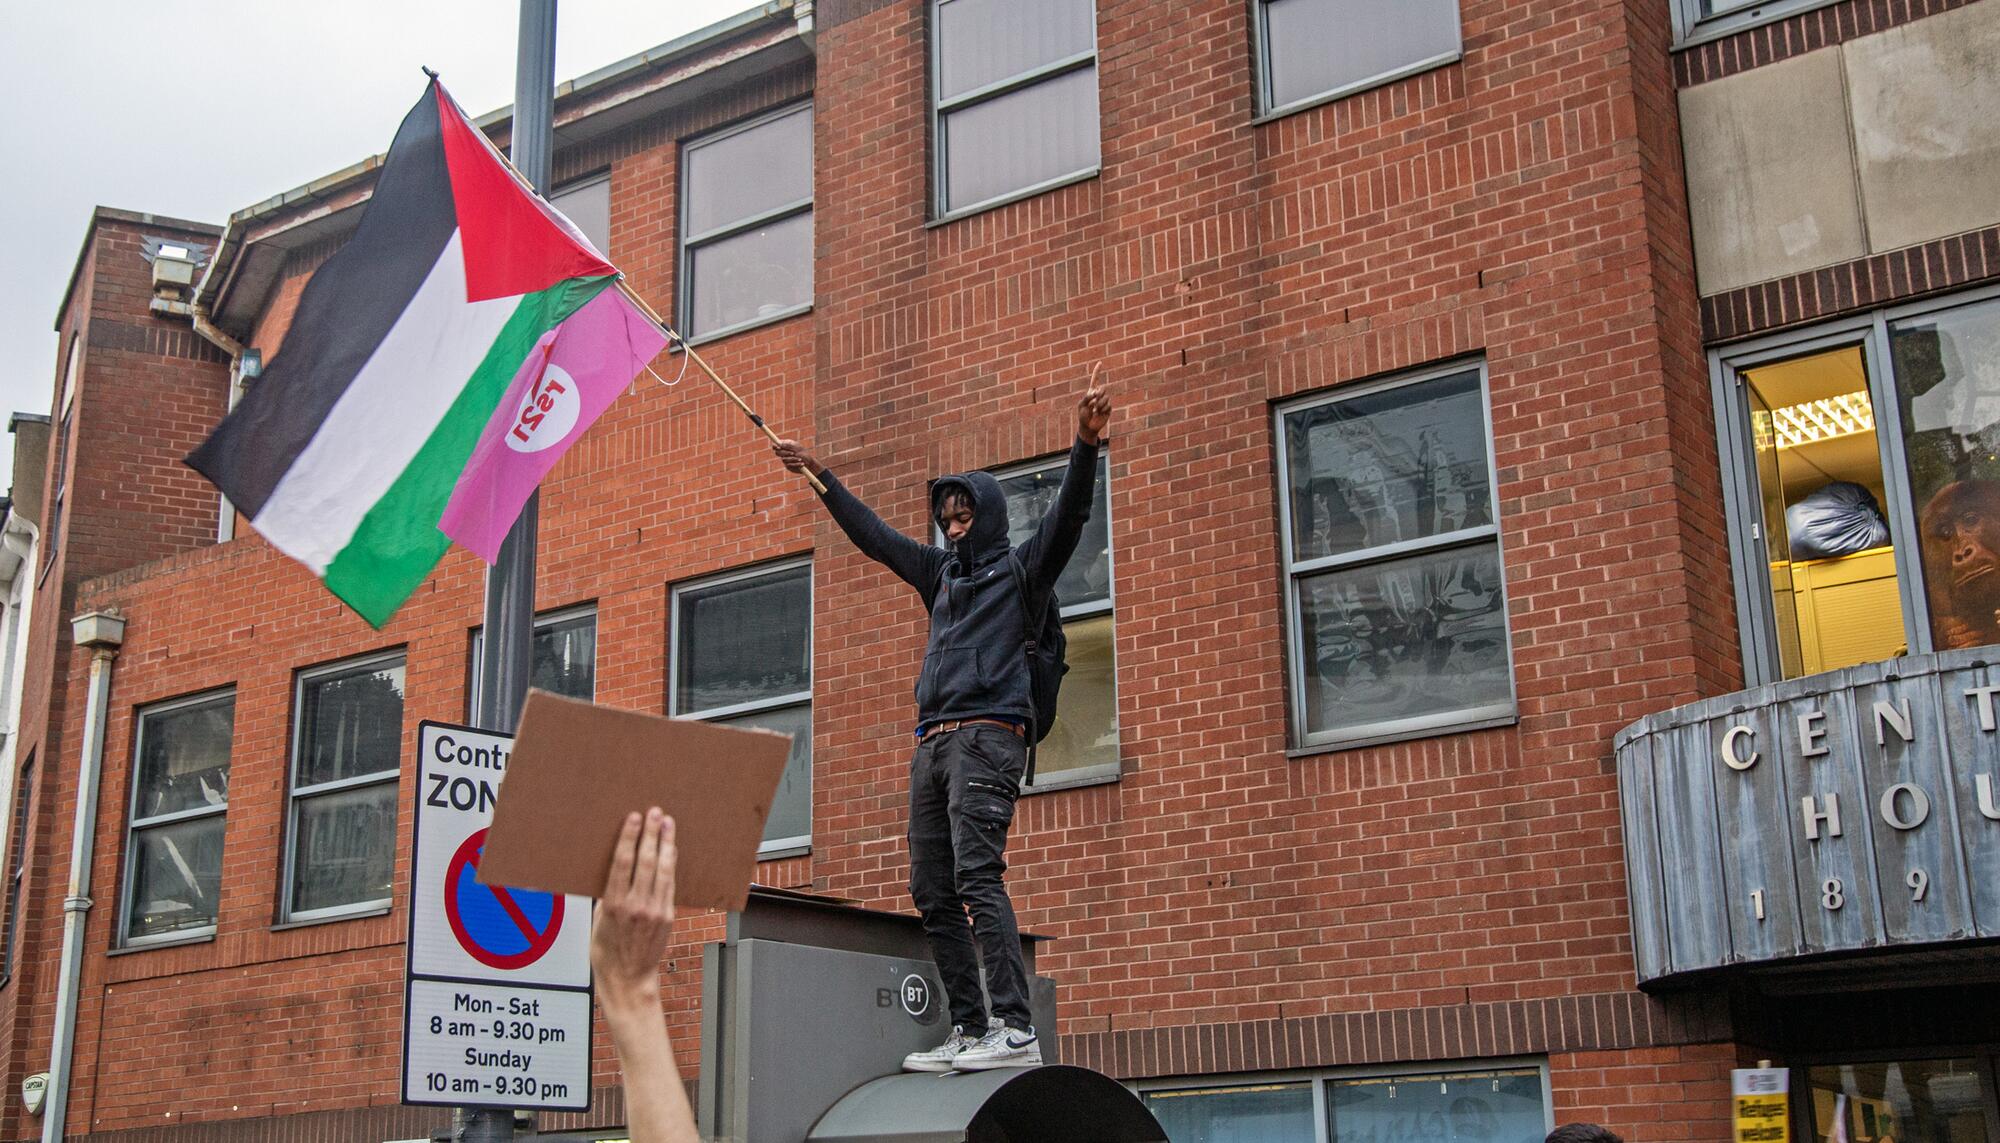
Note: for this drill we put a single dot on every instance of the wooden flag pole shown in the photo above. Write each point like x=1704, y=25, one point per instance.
x=633, y=297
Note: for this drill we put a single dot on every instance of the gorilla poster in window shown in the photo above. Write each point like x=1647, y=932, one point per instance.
x=1947, y=367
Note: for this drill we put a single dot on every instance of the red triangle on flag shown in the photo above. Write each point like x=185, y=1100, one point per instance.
x=514, y=242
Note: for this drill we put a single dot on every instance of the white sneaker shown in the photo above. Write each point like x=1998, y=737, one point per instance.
x=1001, y=1048
x=940, y=1058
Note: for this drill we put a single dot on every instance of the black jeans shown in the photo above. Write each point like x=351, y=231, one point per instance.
x=963, y=784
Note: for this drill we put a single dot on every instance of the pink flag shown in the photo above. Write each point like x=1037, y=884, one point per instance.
x=570, y=377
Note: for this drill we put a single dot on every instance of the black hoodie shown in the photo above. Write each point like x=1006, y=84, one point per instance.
x=975, y=665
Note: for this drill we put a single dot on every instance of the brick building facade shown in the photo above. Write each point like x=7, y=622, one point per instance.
x=1339, y=810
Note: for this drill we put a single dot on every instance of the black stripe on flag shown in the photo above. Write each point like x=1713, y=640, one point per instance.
x=344, y=313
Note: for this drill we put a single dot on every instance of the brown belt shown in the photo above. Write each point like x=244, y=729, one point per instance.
x=938, y=728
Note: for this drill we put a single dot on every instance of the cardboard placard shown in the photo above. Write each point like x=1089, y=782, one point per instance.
x=577, y=769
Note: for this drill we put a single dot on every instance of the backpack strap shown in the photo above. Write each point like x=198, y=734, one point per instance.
x=1031, y=626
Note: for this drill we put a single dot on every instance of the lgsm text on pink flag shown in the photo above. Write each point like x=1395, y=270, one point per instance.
x=568, y=379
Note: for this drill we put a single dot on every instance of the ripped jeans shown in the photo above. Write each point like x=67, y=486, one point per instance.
x=963, y=784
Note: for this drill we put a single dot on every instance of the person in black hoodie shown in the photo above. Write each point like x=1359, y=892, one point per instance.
x=973, y=719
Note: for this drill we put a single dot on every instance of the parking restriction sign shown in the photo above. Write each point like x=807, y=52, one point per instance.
x=497, y=1000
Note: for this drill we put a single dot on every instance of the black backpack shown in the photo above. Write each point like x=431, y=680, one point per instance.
x=1046, y=645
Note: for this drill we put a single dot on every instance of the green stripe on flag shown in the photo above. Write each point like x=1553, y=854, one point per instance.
x=398, y=542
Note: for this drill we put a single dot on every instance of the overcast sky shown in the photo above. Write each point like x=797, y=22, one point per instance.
x=198, y=108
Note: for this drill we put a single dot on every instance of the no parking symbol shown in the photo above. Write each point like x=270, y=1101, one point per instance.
x=498, y=927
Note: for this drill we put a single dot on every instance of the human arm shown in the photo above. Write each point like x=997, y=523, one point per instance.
x=1045, y=553
x=634, y=918
x=916, y=564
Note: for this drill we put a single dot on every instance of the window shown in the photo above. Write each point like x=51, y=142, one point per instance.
x=564, y=650
x=1013, y=99
x=347, y=748
x=59, y=475
x=587, y=202
x=1083, y=744
x=1898, y=1100
x=1397, y=611
x=1498, y=1105
x=1311, y=51
x=742, y=655
x=17, y=864
x=1863, y=489
x=747, y=224
x=1699, y=20
x=180, y=792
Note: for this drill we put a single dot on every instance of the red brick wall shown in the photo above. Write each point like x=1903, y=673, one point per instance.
x=1223, y=904
x=1649, y=1094
x=150, y=392
x=1493, y=207
x=146, y=390
x=670, y=484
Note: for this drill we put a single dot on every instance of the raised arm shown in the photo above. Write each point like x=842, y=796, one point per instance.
x=634, y=919
x=916, y=564
x=1046, y=552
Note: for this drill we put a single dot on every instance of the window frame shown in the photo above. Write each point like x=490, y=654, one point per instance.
x=1322, y=1078
x=17, y=867
x=134, y=825
x=477, y=636
x=940, y=107
x=1692, y=28
x=1070, y=612
x=690, y=243
x=601, y=176
x=798, y=844
x=1294, y=571
x=1267, y=109
x=294, y=794
x=1756, y=618
x=1985, y=1056
x=51, y=528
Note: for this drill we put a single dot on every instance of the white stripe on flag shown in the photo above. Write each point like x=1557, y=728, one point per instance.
x=388, y=412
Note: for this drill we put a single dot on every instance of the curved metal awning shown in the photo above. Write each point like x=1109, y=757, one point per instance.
x=1052, y=1104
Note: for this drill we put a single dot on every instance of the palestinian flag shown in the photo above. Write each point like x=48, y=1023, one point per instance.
x=346, y=451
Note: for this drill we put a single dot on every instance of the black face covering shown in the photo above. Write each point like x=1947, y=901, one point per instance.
x=986, y=540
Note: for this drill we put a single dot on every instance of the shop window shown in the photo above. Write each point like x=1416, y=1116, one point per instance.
x=1496, y=1105
x=17, y=865
x=564, y=657
x=1698, y=20
x=180, y=794
x=1083, y=743
x=1922, y=1101
x=1863, y=464
x=747, y=224
x=347, y=747
x=742, y=656
x=1396, y=606
x=1013, y=99
x=1310, y=51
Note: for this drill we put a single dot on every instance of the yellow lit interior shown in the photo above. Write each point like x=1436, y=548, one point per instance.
x=1814, y=424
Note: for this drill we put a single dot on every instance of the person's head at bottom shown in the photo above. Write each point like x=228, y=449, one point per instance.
x=1583, y=1133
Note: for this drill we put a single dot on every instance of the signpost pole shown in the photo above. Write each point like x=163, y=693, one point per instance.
x=508, y=647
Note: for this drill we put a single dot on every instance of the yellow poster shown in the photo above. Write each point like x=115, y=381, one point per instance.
x=1763, y=1104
